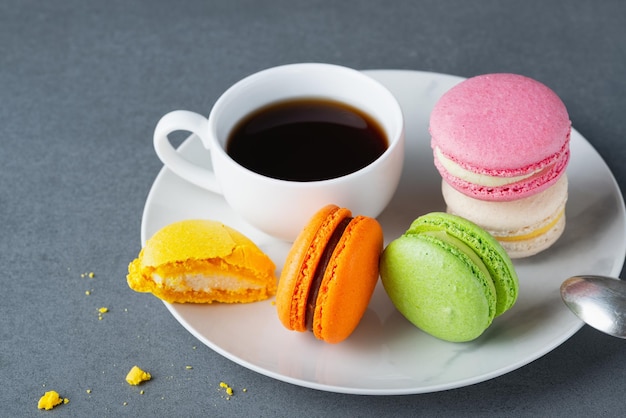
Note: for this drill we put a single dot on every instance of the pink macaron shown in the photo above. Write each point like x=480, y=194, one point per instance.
x=500, y=137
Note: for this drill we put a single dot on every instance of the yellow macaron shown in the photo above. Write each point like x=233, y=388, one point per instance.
x=202, y=261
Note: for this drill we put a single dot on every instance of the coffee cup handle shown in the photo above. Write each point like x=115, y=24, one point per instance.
x=184, y=120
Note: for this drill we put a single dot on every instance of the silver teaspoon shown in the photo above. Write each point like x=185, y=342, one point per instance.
x=599, y=301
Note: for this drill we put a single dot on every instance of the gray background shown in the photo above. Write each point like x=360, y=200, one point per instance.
x=83, y=83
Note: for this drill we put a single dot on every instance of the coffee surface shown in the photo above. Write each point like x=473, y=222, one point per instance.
x=306, y=140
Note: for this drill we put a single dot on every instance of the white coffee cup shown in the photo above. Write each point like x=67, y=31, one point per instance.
x=282, y=208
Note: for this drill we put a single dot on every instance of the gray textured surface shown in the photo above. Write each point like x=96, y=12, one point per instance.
x=83, y=83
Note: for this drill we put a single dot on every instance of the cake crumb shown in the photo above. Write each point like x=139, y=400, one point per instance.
x=136, y=376
x=188, y=367
x=51, y=399
x=227, y=388
x=102, y=311
x=88, y=391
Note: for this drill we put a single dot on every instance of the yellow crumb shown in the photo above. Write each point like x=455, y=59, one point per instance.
x=50, y=399
x=142, y=392
x=91, y=274
x=188, y=367
x=87, y=292
x=135, y=376
x=102, y=311
x=66, y=400
x=88, y=391
x=125, y=403
x=244, y=390
x=229, y=390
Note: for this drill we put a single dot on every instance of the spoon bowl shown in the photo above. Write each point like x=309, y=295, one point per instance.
x=599, y=301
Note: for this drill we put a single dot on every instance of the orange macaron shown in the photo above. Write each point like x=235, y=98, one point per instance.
x=330, y=274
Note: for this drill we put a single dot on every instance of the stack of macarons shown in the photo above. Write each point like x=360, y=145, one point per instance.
x=501, y=145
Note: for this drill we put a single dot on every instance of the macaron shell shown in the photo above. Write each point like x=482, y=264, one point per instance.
x=500, y=123
x=299, y=268
x=349, y=280
x=437, y=287
x=199, y=239
x=488, y=249
x=523, y=227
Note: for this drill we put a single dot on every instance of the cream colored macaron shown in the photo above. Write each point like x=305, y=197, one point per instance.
x=524, y=227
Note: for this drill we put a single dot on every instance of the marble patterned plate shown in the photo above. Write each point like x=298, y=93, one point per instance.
x=386, y=354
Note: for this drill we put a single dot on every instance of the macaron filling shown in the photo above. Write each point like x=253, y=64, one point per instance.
x=534, y=233
x=530, y=186
x=481, y=179
x=464, y=248
x=316, y=283
x=201, y=282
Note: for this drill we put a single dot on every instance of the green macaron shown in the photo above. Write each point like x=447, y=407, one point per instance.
x=448, y=276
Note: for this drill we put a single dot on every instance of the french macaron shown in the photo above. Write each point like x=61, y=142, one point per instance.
x=448, y=277
x=524, y=227
x=202, y=261
x=500, y=137
x=330, y=274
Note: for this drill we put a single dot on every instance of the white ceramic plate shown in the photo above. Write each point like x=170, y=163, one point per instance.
x=386, y=354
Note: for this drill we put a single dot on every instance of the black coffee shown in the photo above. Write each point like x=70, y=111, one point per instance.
x=306, y=140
